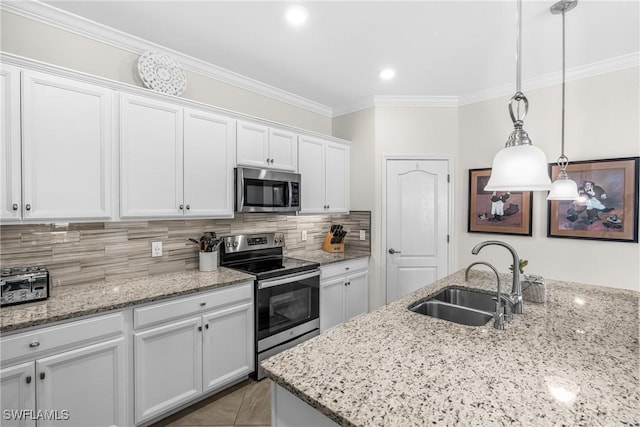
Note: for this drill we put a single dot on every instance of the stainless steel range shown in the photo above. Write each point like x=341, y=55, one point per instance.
x=23, y=284
x=287, y=291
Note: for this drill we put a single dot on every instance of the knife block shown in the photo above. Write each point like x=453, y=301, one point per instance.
x=332, y=248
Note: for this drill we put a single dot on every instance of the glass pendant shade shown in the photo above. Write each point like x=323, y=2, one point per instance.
x=519, y=168
x=563, y=188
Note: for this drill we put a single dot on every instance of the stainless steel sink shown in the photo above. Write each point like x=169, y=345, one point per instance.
x=458, y=305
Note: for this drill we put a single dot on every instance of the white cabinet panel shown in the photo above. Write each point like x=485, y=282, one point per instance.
x=356, y=301
x=11, y=178
x=168, y=367
x=283, y=149
x=324, y=167
x=331, y=303
x=89, y=383
x=18, y=393
x=228, y=345
x=66, y=148
x=252, y=145
x=150, y=158
x=344, y=290
x=209, y=141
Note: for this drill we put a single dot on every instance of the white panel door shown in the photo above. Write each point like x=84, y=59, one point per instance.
x=66, y=148
x=151, y=164
x=228, y=346
x=10, y=156
x=252, y=146
x=168, y=367
x=337, y=177
x=357, y=295
x=90, y=382
x=209, y=141
x=18, y=393
x=283, y=147
x=331, y=303
x=311, y=154
x=417, y=212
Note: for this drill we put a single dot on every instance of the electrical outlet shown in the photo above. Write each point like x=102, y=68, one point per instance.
x=304, y=235
x=156, y=249
x=363, y=235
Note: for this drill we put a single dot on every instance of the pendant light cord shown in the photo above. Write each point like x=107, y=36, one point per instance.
x=518, y=46
x=563, y=88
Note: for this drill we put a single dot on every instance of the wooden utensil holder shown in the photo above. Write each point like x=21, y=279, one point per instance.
x=333, y=248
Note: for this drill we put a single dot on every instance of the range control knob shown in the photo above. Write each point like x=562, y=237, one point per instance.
x=235, y=244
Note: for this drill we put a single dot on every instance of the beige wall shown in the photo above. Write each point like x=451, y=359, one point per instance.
x=602, y=121
x=35, y=40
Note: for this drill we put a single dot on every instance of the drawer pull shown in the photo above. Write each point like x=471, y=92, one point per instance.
x=28, y=379
x=34, y=344
x=199, y=328
x=202, y=304
x=41, y=375
x=206, y=326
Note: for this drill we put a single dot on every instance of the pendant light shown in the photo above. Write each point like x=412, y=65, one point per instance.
x=519, y=166
x=564, y=188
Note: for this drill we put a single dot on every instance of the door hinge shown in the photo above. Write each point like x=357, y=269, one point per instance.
x=448, y=178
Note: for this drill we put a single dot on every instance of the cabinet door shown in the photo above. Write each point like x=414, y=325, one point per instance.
x=252, y=145
x=228, y=346
x=151, y=180
x=337, y=177
x=311, y=167
x=283, y=149
x=168, y=367
x=66, y=148
x=208, y=164
x=357, y=295
x=11, y=179
x=331, y=303
x=18, y=393
x=84, y=387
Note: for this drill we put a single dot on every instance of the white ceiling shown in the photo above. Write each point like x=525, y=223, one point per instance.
x=439, y=48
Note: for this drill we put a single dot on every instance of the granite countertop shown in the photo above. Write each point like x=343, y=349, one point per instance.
x=570, y=361
x=67, y=302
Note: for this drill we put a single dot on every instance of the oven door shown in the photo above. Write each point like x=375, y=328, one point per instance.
x=286, y=307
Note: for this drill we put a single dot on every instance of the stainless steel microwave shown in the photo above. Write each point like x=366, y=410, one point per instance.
x=264, y=190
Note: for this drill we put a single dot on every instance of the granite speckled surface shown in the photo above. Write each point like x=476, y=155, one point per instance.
x=570, y=361
x=325, y=258
x=68, y=302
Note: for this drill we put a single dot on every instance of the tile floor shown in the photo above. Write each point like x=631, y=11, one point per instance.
x=245, y=404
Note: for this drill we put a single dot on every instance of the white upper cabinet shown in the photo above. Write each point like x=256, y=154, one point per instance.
x=175, y=161
x=11, y=181
x=67, y=149
x=259, y=146
x=324, y=166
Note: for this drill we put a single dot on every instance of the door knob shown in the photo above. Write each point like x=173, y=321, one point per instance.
x=393, y=251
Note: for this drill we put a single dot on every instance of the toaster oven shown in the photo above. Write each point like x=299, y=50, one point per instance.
x=20, y=285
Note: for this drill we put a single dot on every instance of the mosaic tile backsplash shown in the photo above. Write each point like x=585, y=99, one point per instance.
x=79, y=253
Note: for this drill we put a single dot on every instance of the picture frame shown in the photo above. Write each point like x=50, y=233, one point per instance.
x=608, y=207
x=497, y=212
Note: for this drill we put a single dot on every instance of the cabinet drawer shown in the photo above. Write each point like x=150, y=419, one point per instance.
x=43, y=340
x=344, y=268
x=161, y=312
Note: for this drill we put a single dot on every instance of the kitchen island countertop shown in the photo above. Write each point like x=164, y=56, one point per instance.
x=570, y=361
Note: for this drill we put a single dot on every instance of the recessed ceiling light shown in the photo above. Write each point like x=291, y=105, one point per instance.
x=387, y=74
x=297, y=15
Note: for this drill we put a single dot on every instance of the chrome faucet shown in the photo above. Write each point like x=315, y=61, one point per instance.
x=498, y=316
x=516, y=287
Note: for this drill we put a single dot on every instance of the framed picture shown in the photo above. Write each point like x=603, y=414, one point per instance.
x=497, y=212
x=608, y=205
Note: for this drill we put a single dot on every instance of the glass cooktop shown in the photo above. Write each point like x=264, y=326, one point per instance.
x=264, y=268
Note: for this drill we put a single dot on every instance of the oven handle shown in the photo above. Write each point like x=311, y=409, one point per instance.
x=263, y=284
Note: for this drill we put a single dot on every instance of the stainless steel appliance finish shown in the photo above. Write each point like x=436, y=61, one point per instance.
x=286, y=291
x=264, y=190
x=20, y=285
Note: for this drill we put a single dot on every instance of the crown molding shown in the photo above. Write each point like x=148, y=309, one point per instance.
x=49, y=15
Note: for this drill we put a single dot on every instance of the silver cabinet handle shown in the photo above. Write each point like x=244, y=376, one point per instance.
x=271, y=161
x=34, y=344
x=28, y=206
x=202, y=304
x=393, y=251
x=15, y=206
x=181, y=207
x=188, y=207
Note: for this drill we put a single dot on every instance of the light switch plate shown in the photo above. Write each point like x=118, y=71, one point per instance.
x=304, y=235
x=363, y=234
x=156, y=249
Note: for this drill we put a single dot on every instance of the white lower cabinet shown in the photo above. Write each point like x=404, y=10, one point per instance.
x=343, y=292
x=187, y=347
x=60, y=384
